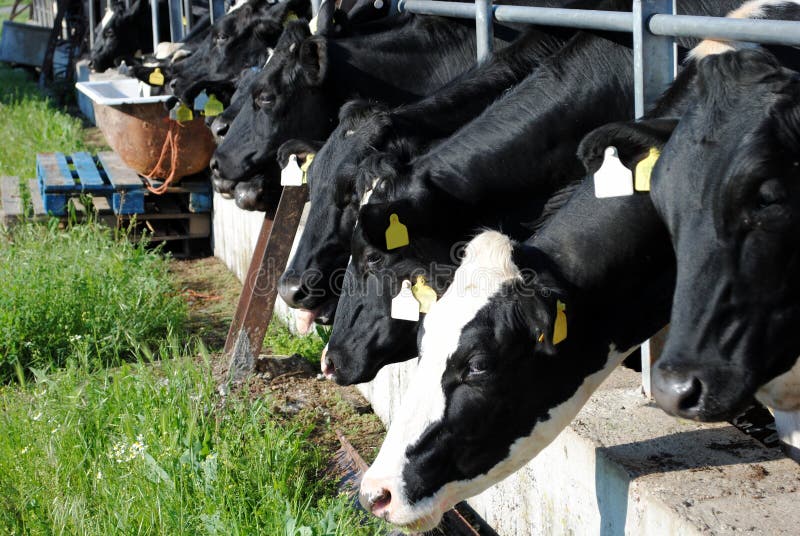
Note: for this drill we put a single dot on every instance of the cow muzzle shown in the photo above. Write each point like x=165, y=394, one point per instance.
x=382, y=498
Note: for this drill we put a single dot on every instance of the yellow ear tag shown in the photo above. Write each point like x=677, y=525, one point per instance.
x=156, y=78
x=424, y=294
x=644, y=169
x=290, y=16
x=560, y=331
x=396, y=233
x=305, y=166
x=213, y=106
x=183, y=114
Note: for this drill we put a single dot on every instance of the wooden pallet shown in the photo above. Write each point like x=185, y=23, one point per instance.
x=63, y=176
x=167, y=218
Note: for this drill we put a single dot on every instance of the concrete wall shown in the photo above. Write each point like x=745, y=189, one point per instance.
x=625, y=467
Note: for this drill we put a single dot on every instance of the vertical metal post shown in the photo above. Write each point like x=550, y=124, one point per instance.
x=187, y=15
x=92, y=24
x=175, y=23
x=315, y=7
x=217, y=9
x=484, y=32
x=154, y=18
x=654, y=56
x=654, y=69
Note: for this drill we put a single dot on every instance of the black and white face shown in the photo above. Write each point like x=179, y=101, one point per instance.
x=491, y=389
x=727, y=186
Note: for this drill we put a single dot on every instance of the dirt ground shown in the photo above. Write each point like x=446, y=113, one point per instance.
x=291, y=385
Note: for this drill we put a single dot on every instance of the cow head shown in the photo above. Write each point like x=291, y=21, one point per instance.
x=491, y=390
x=365, y=337
x=313, y=278
x=120, y=36
x=286, y=101
x=727, y=187
x=240, y=40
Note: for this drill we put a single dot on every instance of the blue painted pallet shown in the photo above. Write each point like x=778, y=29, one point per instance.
x=63, y=176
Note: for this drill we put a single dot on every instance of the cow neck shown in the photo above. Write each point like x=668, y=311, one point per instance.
x=614, y=257
x=396, y=65
x=527, y=140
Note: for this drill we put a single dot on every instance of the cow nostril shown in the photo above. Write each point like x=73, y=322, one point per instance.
x=678, y=393
x=219, y=128
x=172, y=84
x=214, y=164
x=690, y=393
x=380, y=501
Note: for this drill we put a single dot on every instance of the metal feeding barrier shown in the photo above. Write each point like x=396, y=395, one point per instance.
x=653, y=26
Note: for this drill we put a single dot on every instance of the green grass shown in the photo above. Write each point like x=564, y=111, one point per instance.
x=31, y=125
x=154, y=449
x=80, y=291
x=283, y=342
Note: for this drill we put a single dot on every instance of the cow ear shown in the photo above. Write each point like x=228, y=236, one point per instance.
x=633, y=140
x=301, y=148
x=375, y=219
x=314, y=60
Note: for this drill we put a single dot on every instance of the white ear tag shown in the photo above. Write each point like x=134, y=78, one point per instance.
x=613, y=179
x=292, y=175
x=405, y=306
x=106, y=18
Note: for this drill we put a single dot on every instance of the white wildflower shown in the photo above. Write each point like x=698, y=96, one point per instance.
x=37, y=417
x=25, y=449
x=99, y=475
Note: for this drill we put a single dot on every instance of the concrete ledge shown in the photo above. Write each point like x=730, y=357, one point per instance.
x=625, y=467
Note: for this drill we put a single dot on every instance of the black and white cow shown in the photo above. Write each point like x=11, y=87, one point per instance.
x=725, y=185
x=238, y=41
x=126, y=32
x=301, y=89
x=312, y=279
x=494, y=385
x=493, y=172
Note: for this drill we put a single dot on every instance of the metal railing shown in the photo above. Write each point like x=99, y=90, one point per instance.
x=654, y=27
x=652, y=23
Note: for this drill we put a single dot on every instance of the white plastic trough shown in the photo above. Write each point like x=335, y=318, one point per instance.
x=118, y=92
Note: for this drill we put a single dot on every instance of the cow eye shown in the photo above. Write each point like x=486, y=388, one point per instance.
x=221, y=38
x=477, y=367
x=265, y=100
x=374, y=259
x=771, y=192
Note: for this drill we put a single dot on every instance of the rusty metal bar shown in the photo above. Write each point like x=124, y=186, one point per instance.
x=257, y=301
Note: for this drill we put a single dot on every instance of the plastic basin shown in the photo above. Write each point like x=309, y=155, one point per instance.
x=136, y=127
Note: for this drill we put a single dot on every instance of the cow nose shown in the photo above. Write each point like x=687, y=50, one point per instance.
x=679, y=393
x=219, y=128
x=172, y=84
x=290, y=288
x=376, y=498
x=214, y=165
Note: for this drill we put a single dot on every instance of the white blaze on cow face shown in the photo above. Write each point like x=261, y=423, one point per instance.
x=754, y=9
x=106, y=18
x=487, y=266
x=783, y=392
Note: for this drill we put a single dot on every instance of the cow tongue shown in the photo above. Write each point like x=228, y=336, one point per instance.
x=303, y=319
